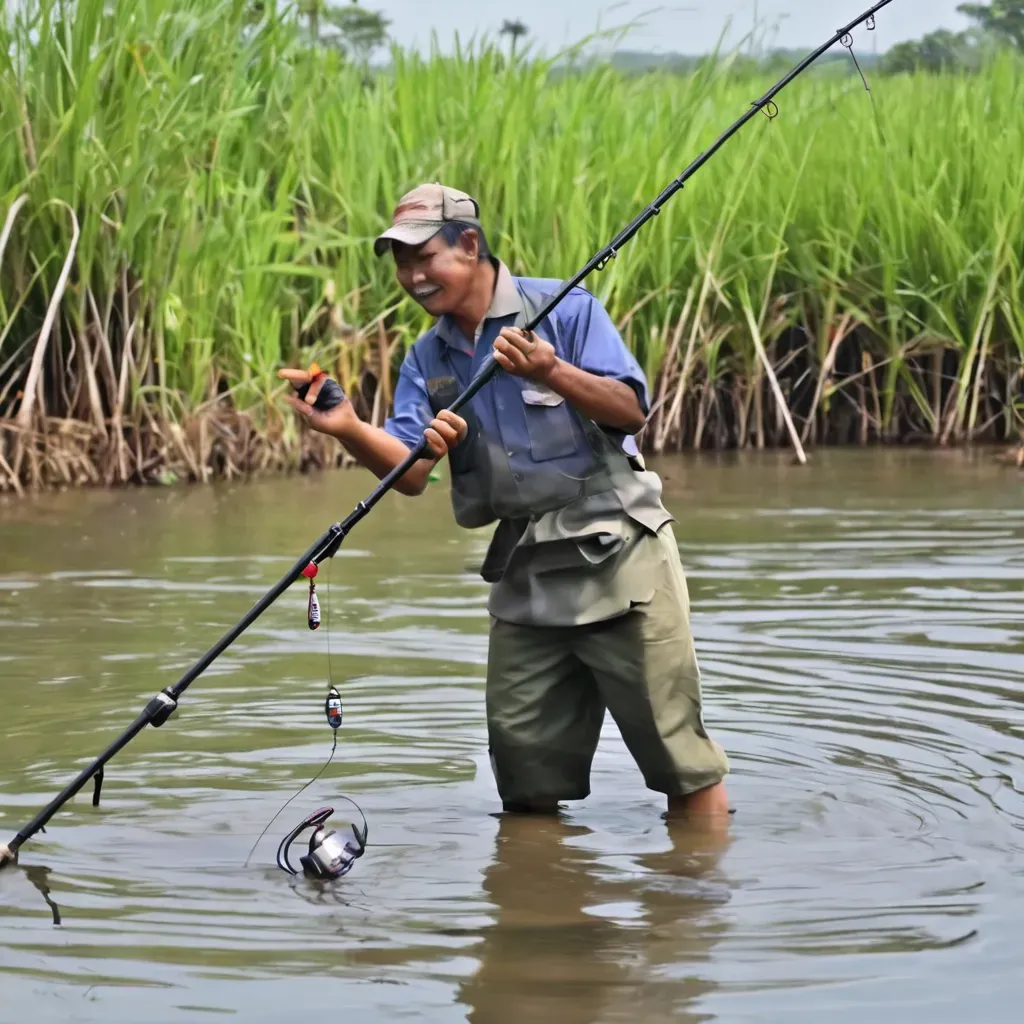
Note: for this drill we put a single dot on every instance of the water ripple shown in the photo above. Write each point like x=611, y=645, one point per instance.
x=863, y=662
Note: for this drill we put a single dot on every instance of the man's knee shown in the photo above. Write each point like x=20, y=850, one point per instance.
x=533, y=779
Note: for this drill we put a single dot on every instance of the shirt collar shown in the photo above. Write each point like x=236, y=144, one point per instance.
x=506, y=301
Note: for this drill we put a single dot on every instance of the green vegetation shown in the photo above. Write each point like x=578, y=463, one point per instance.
x=188, y=191
x=994, y=26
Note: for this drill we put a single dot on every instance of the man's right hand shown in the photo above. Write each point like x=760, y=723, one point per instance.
x=338, y=422
x=444, y=432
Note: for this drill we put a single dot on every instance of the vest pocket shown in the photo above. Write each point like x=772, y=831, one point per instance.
x=549, y=423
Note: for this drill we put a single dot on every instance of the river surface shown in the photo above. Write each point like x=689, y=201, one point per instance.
x=860, y=624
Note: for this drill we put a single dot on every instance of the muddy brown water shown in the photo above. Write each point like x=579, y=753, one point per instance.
x=861, y=629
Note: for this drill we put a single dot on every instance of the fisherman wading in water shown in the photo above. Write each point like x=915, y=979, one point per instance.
x=589, y=606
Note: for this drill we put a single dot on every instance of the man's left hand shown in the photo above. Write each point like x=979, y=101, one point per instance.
x=524, y=355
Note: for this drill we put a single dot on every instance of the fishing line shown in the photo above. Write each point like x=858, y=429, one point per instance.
x=334, y=745
x=330, y=855
x=847, y=41
x=330, y=676
x=292, y=797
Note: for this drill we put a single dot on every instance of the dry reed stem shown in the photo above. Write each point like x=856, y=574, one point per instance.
x=9, y=478
x=28, y=139
x=869, y=368
x=24, y=417
x=669, y=364
x=5, y=234
x=755, y=335
x=937, y=357
x=841, y=332
x=89, y=363
x=684, y=375
x=955, y=419
x=982, y=356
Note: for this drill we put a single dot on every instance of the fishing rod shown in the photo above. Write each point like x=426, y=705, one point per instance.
x=163, y=704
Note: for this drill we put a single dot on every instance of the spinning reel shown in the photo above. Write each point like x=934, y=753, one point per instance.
x=330, y=855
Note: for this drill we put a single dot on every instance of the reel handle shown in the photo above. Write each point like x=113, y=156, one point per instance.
x=314, y=820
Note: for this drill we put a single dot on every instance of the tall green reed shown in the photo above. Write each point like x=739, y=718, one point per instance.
x=865, y=251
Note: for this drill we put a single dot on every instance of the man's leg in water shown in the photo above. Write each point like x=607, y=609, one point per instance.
x=713, y=801
x=544, y=715
x=646, y=668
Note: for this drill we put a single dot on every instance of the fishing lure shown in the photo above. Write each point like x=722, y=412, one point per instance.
x=313, y=605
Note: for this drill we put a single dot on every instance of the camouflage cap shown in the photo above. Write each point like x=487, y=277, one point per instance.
x=421, y=213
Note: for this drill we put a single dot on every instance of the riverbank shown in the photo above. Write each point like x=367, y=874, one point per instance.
x=188, y=204
x=228, y=447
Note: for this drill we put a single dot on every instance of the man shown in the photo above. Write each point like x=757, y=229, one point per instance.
x=589, y=606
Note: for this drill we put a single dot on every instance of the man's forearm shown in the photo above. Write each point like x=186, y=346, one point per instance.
x=380, y=452
x=608, y=402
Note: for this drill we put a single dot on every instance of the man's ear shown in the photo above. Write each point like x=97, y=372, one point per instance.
x=470, y=242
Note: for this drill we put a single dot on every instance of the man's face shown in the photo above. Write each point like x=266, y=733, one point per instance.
x=436, y=275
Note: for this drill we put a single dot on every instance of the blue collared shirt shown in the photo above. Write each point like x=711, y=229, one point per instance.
x=586, y=338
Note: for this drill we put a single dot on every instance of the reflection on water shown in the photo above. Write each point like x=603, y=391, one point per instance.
x=861, y=628
x=584, y=933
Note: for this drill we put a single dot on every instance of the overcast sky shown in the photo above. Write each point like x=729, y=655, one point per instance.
x=689, y=26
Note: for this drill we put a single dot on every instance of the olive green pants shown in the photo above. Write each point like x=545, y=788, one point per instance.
x=548, y=689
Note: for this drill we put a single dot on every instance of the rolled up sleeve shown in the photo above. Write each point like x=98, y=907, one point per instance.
x=411, y=407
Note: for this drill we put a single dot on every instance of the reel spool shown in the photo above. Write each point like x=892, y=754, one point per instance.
x=330, y=854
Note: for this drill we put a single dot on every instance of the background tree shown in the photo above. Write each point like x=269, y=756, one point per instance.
x=1001, y=19
x=514, y=30
x=359, y=31
x=938, y=51
x=354, y=30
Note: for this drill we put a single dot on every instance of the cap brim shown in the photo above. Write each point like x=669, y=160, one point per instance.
x=410, y=234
